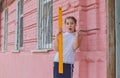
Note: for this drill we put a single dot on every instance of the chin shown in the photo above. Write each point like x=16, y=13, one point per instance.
x=71, y=31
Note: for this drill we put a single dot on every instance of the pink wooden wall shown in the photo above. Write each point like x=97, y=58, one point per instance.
x=0, y=30
x=90, y=58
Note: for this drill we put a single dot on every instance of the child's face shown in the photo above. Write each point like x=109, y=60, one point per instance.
x=70, y=25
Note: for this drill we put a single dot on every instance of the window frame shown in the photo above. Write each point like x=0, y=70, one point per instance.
x=39, y=20
x=5, y=31
x=19, y=25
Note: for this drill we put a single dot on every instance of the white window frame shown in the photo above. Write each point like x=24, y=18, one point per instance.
x=19, y=26
x=40, y=15
x=46, y=1
x=5, y=31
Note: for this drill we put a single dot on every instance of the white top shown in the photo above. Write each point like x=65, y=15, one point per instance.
x=68, y=51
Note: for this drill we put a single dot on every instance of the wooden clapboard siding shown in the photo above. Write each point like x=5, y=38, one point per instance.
x=91, y=57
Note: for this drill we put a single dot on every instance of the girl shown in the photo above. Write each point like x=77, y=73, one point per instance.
x=71, y=41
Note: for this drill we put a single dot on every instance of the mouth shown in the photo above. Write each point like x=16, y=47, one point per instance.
x=70, y=28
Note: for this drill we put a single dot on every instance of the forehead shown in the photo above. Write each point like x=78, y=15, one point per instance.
x=69, y=20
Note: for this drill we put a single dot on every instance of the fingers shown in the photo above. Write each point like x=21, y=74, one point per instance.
x=59, y=31
x=77, y=32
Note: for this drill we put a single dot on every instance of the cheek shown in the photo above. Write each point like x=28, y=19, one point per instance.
x=67, y=26
x=73, y=26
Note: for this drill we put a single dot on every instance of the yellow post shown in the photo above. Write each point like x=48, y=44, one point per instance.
x=60, y=41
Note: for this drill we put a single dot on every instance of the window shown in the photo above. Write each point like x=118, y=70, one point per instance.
x=5, y=32
x=44, y=25
x=19, y=27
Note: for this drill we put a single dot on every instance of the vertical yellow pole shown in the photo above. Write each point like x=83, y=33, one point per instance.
x=60, y=41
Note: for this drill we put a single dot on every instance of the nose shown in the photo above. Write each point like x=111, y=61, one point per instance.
x=70, y=25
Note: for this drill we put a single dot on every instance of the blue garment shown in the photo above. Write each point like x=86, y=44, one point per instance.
x=67, y=71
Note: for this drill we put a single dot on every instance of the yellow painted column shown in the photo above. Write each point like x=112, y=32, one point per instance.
x=60, y=41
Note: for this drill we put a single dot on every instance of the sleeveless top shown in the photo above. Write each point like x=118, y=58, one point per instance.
x=68, y=51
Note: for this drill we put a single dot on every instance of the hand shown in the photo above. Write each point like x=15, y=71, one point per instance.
x=58, y=31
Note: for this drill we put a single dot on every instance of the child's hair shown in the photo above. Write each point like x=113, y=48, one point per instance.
x=71, y=17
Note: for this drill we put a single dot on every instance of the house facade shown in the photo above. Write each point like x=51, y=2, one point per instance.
x=27, y=28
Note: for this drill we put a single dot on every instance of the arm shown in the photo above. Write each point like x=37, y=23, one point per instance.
x=77, y=41
x=55, y=44
x=55, y=41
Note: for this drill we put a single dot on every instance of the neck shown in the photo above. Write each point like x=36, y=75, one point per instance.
x=70, y=31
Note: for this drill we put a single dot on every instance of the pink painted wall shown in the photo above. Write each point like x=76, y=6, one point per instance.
x=0, y=32
x=90, y=58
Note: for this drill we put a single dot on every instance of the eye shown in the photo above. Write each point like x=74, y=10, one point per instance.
x=67, y=23
x=72, y=23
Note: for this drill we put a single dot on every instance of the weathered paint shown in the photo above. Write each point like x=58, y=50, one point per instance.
x=90, y=58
